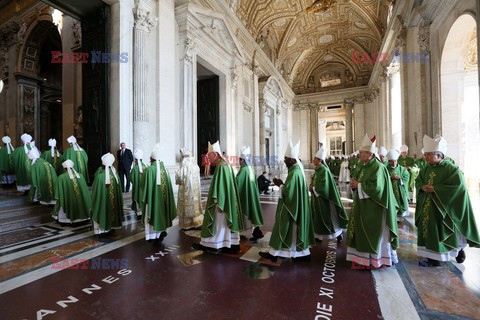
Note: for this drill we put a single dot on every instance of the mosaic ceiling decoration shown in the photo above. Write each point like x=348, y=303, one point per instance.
x=317, y=50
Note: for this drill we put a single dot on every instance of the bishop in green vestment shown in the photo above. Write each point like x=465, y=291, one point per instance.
x=421, y=163
x=44, y=180
x=107, y=198
x=53, y=156
x=382, y=155
x=249, y=194
x=7, y=172
x=137, y=178
x=292, y=233
x=408, y=163
x=400, y=178
x=372, y=236
x=73, y=198
x=158, y=201
x=328, y=214
x=223, y=218
x=444, y=216
x=78, y=156
x=22, y=164
x=189, y=204
x=354, y=165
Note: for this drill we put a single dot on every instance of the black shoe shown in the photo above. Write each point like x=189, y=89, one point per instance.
x=268, y=256
x=257, y=234
x=163, y=235
x=433, y=263
x=139, y=217
x=304, y=258
x=266, y=192
x=233, y=249
x=340, y=238
x=461, y=256
x=198, y=246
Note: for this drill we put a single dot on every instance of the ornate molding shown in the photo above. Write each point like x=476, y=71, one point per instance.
x=8, y=33
x=424, y=39
x=392, y=69
x=247, y=108
x=189, y=49
x=400, y=41
x=76, y=35
x=143, y=19
x=234, y=76
x=371, y=95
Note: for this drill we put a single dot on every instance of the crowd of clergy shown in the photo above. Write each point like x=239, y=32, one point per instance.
x=383, y=183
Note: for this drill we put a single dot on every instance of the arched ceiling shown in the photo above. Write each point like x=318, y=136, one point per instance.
x=313, y=51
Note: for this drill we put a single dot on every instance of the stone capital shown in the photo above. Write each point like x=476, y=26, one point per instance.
x=143, y=19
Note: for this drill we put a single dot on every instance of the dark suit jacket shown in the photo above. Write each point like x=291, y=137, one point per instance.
x=125, y=161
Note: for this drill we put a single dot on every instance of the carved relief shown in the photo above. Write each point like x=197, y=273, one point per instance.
x=143, y=19
x=189, y=49
x=29, y=107
x=77, y=35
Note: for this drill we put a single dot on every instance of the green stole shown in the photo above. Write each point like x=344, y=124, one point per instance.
x=447, y=210
x=325, y=186
x=293, y=209
x=365, y=227
x=224, y=190
x=248, y=194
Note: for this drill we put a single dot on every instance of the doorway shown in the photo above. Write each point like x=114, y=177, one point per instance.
x=207, y=112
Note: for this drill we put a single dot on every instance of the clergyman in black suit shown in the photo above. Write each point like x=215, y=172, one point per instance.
x=125, y=160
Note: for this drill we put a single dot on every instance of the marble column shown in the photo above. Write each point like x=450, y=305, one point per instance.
x=143, y=23
x=313, y=133
x=262, y=109
x=188, y=95
x=348, y=103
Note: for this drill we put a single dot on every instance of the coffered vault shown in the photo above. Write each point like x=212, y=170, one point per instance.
x=313, y=51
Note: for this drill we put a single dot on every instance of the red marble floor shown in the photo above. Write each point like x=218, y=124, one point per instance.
x=125, y=277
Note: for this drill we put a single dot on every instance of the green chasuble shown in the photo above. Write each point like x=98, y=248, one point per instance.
x=420, y=163
x=80, y=161
x=44, y=180
x=138, y=182
x=158, y=201
x=400, y=187
x=22, y=165
x=6, y=162
x=328, y=198
x=365, y=227
x=249, y=195
x=354, y=166
x=293, y=210
x=439, y=215
x=73, y=198
x=55, y=161
x=223, y=193
x=449, y=159
x=409, y=162
x=107, y=201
